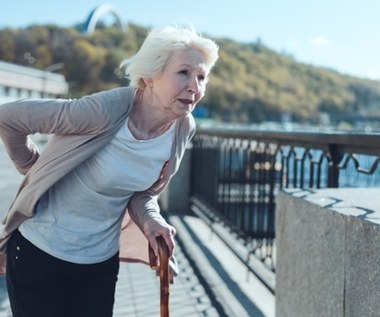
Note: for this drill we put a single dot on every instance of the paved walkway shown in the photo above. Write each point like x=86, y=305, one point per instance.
x=234, y=290
x=137, y=293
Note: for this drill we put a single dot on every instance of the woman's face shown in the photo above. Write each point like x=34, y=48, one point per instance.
x=181, y=84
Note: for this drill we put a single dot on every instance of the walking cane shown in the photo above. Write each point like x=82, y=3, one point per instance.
x=161, y=265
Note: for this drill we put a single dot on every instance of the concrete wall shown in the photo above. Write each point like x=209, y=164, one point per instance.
x=176, y=196
x=328, y=253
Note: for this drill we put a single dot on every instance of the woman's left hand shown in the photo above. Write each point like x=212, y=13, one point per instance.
x=156, y=227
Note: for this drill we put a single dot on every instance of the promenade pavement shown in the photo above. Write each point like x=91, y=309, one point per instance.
x=211, y=282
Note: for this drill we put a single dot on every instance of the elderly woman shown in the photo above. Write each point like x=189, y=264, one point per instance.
x=111, y=153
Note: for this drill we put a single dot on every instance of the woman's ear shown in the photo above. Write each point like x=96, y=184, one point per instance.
x=148, y=82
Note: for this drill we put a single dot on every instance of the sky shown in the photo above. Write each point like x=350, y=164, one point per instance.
x=343, y=35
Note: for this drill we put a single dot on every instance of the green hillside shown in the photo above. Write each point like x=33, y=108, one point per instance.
x=251, y=83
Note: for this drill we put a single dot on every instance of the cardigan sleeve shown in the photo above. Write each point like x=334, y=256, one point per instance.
x=22, y=118
x=144, y=205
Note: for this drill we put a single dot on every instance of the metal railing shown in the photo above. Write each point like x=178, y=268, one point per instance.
x=238, y=172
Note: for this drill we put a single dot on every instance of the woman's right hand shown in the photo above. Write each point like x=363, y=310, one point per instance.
x=158, y=227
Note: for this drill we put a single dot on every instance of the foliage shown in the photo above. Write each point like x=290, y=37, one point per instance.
x=250, y=82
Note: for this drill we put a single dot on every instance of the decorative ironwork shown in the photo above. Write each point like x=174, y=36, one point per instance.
x=237, y=174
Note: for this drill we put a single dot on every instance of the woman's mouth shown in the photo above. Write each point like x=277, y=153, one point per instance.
x=186, y=101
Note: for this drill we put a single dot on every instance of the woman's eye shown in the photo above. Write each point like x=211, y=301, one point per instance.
x=201, y=77
x=183, y=72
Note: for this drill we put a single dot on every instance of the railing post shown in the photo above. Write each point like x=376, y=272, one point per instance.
x=336, y=157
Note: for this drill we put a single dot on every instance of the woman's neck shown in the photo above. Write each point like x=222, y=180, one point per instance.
x=145, y=122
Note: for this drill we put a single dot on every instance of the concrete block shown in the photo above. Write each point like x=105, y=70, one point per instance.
x=175, y=197
x=310, y=260
x=362, y=269
x=328, y=253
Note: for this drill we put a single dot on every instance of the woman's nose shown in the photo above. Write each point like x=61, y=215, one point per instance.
x=194, y=85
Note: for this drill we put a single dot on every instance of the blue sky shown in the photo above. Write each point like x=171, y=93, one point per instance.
x=340, y=34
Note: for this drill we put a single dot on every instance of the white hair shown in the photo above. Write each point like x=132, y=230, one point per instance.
x=157, y=48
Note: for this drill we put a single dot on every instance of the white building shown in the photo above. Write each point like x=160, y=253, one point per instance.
x=18, y=82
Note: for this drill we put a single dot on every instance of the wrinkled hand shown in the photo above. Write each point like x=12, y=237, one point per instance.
x=154, y=228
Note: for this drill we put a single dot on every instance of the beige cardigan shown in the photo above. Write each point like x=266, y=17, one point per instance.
x=79, y=128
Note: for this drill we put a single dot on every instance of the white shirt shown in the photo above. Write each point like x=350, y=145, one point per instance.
x=79, y=218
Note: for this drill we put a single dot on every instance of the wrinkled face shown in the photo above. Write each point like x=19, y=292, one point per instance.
x=181, y=84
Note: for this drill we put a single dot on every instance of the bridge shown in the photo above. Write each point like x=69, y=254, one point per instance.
x=100, y=12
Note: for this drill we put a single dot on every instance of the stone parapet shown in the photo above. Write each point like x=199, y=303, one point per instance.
x=328, y=253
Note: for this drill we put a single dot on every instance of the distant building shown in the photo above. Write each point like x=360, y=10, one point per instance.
x=17, y=82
